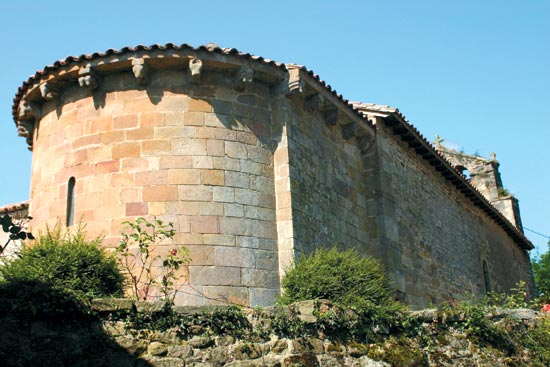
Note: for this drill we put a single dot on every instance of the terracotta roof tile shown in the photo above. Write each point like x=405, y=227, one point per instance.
x=14, y=207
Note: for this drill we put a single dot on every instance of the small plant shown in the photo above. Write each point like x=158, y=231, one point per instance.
x=16, y=230
x=502, y=192
x=138, y=260
x=66, y=261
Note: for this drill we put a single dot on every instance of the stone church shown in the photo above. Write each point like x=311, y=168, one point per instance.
x=257, y=162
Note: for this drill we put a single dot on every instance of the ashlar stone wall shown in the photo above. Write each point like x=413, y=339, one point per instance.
x=328, y=184
x=435, y=241
x=255, y=163
x=199, y=156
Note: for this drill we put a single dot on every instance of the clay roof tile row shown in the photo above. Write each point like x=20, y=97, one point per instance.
x=212, y=48
x=14, y=207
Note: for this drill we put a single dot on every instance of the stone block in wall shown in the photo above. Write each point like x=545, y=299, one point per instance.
x=260, y=278
x=226, y=295
x=263, y=297
x=211, y=275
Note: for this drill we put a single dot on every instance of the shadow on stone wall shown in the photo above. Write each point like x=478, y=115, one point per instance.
x=45, y=326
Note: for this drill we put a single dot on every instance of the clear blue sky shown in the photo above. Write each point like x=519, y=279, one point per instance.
x=475, y=72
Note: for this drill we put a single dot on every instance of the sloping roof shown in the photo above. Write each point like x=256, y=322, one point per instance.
x=14, y=207
x=396, y=121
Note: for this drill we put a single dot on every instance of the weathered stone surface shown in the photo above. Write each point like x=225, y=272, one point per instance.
x=305, y=360
x=146, y=306
x=367, y=362
x=157, y=349
x=159, y=362
x=219, y=356
x=258, y=363
x=179, y=351
x=247, y=351
x=306, y=310
x=303, y=345
x=112, y=304
x=132, y=346
x=200, y=342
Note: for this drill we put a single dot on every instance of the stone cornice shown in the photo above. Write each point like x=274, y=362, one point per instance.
x=87, y=71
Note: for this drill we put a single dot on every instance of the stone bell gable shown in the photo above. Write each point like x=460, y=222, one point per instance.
x=255, y=162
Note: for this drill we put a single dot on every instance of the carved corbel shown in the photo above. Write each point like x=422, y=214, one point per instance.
x=349, y=130
x=245, y=75
x=295, y=83
x=365, y=142
x=140, y=70
x=330, y=117
x=48, y=91
x=313, y=102
x=29, y=111
x=87, y=78
x=25, y=128
x=195, y=68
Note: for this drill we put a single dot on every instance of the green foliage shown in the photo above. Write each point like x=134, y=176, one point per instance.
x=471, y=317
x=161, y=320
x=541, y=272
x=220, y=321
x=28, y=300
x=16, y=229
x=345, y=278
x=137, y=258
x=67, y=262
x=502, y=192
x=399, y=351
x=537, y=340
x=286, y=323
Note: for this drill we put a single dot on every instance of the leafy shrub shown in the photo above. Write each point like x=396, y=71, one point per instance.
x=16, y=230
x=27, y=300
x=345, y=278
x=541, y=272
x=470, y=316
x=68, y=262
x=137, y=258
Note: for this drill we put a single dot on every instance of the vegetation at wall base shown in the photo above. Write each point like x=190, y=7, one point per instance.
x=66, y=261
x=50, y=324
x=137, y=258
x=345, y=278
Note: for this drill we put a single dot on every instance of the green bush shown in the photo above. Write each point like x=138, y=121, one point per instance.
x=31, y=300
x=68, y=262
x=345, y=278
x=541, y=273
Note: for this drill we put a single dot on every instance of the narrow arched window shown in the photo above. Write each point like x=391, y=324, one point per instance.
x=70, y=201
x=486, y=277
